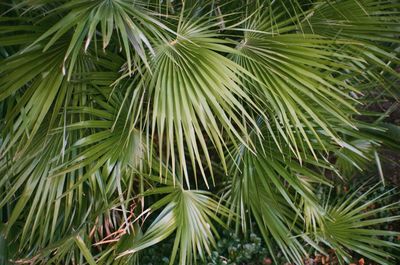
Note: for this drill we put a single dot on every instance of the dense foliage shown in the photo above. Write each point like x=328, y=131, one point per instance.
x=124, y=123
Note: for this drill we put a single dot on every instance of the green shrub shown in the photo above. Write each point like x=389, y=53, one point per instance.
x=128, y=123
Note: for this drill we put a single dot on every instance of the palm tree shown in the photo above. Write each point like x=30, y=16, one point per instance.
x=124, y=123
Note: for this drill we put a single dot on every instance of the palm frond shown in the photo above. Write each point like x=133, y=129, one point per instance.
x=136, y=26
x=187, y=213
x=350, y=227
x=195, y=99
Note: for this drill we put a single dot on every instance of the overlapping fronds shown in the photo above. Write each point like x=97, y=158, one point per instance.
x=110, y=111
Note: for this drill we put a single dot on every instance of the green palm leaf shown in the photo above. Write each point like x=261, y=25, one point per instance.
x=196, y=99
x=349, y=228
x=188, y=213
